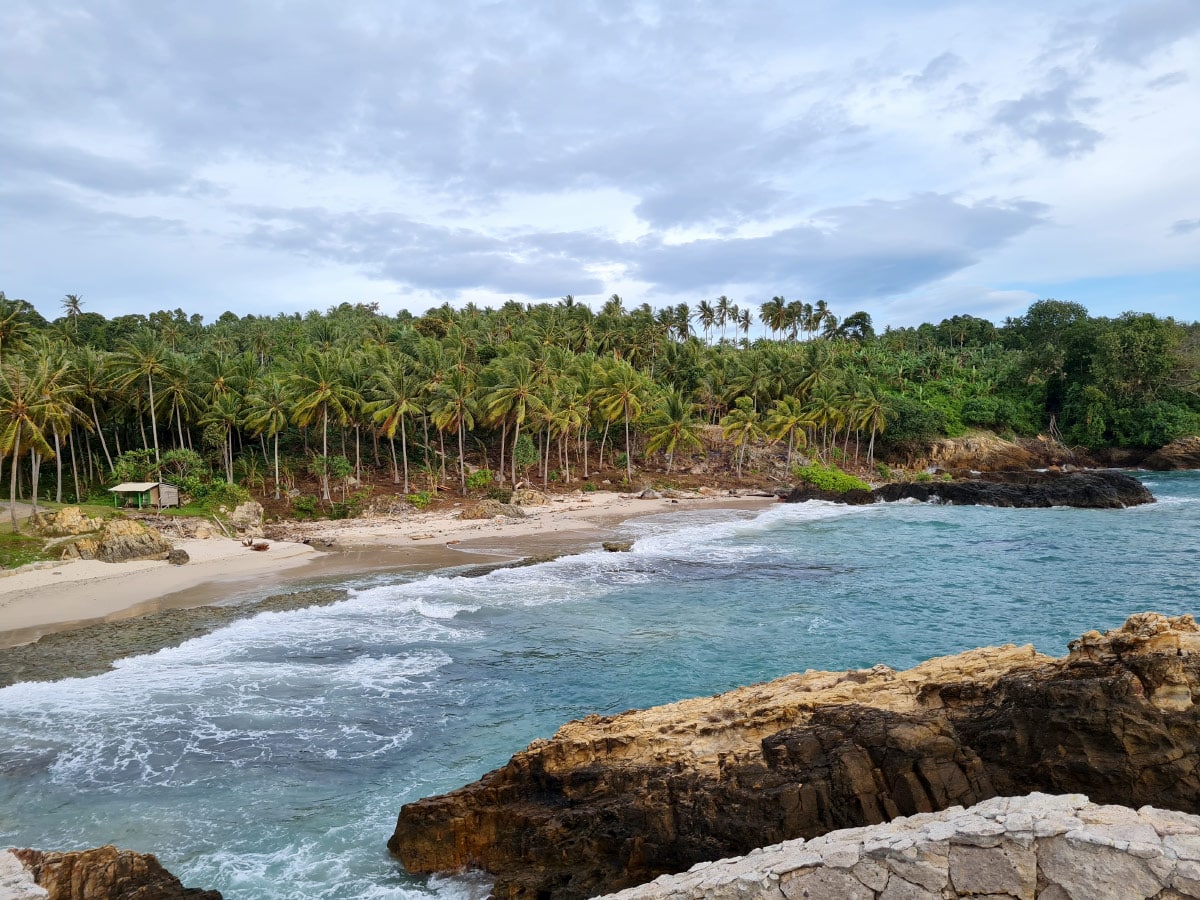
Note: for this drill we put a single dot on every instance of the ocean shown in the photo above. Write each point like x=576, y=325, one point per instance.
x=269, y=759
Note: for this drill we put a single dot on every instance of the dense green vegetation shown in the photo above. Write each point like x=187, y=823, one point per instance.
x=556, y=392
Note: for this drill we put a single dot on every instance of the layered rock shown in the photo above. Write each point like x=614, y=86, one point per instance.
x=120, y=540
x=104, y=873
x=1021, y=848
x=1181, y=454
x=490, y=509
x=613, y=801
x=67, y=522
x=1100, y=489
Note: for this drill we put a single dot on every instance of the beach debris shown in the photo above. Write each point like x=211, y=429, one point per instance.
x=618, y=546
x=419, y=537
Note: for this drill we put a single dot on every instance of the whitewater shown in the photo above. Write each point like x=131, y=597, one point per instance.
x=269, y=759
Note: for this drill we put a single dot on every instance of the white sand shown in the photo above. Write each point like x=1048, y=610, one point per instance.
x=47, y=596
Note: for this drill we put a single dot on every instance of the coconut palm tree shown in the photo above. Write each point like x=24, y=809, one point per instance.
x=672, y=426
x=452, y=406
x=741, y=426
x=318, y=392
x=143, y=356
x=512, y=397
x=622, y=392
x=395, y=395
x=788, y=418
x=268, y=408
x=22, y=419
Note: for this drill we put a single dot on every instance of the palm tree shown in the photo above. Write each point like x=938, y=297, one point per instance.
x=72, y=305
x=268, y=408
x=788, y=419
x=21, y=423
x=512, y=397
x=142, y=356
x=706, y=315
x=319, y=391
x=13, y=325
x=741, y=426
x=872, y=415
x=672, y=426
x=621, y=394
x=396, y=394
x=724, y=310
x=452, y=405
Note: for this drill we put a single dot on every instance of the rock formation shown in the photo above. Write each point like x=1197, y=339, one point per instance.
x=1100, y=489
x=1020, y=848
x=527, y=496
x=1181, y=454
x=104, y=873
x=247, y=519
x=612, y=801
x=489, y=509
x=120, y=540
x=67, y=522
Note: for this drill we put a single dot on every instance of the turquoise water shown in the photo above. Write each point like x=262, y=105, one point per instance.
x=270, y=758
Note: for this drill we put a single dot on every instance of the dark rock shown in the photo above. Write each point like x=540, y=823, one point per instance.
x=614, y=801
x=1181, y=454
x=106, y=873
x=618, y=546
x=1099, y=489
x=649, y=494
x=178, y=557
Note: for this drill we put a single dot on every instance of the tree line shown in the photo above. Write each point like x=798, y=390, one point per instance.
x=559, y=390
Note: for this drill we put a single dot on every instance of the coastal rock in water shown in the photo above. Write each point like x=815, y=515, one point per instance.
x=490, y=509
x=613, y=801
x=618, y=546
x=1100, y=489
x=1031, y=847
x=104, y=873
x=528, y=497
x=120, y=540
x=1181, y=454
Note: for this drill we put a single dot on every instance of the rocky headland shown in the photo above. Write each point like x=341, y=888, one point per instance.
x=1098, y=489
x=614, y=801
x=103, y=873
x=1018, y=848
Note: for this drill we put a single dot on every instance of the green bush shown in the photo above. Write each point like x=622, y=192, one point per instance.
x=830, y=478
x=420, y=499
x=224, y=494
x=922, y=477
x=500, y=494
x=305, y=507
x=884, y=471
x=479, y=480
x=588, y=487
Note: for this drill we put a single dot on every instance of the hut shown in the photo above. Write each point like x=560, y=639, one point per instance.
x=147, y=493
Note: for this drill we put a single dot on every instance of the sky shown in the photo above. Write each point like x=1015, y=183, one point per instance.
x=915, y=159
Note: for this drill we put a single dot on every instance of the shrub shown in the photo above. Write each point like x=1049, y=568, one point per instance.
x=884, y=471
x=479, y=480
x=922, y=476
x=500, y=494
x=588, y=487
x=830, y=478
x=224, y=494
x=305, y=507
x=420, y=499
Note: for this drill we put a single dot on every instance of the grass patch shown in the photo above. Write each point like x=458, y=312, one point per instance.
x=19, y=549
x=830, y=478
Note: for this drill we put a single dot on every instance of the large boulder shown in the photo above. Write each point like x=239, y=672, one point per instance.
x=247, y=519
x=527, y=496
x=67, y=522
x=1181, y=454
x=120, y=540
x=104, y=873
x=613, y=801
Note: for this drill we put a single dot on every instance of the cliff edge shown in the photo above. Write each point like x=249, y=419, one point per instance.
x=614, y=801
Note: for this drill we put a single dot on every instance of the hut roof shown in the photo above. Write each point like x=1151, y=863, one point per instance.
x=135, y=487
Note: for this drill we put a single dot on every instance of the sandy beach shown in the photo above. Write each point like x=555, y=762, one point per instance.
x=48, y=597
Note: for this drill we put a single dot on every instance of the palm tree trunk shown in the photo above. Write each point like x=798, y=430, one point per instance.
x=404, y=451
x=503, y=435
x=276, y=465
x=325, y=455
x=57, y=466
x=628, y=451
x=35, y=464
x=100, y=431
x=395, y=462
x=12, y=483
x=546, y=461
x=179, y=425
x=153, y=420
x=462, y=460
x=74, y=465
x=513, y=453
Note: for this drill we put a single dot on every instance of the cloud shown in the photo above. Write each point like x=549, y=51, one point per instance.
x=938, y=69
x=1145, y=28
x=1185, y=226
x=1170, y=80
x=1049, y=118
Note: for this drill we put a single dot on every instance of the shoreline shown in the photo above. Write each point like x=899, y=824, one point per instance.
x=49, y=598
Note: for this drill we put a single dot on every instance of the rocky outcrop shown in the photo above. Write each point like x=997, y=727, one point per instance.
x=67, y=522
x=490, y=509
x=104, y=873
x=528, y=496
x=612, y=801
x=1181, y=454
x=120, y=540
x=1020, y=848
x=247, y=519
x=1100, y=489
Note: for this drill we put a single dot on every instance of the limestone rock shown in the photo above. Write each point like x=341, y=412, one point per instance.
x=528, y=497
x=1048, y=848
x=247, y=519
x=120, y=540
x=67, y=522
x=490, y=509
x=1181, y=454
x=612, y=801
x=104, y=873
